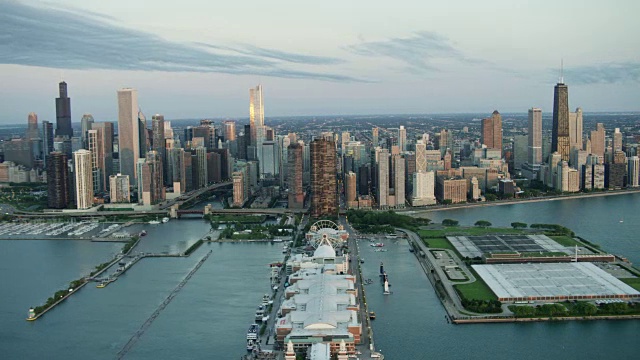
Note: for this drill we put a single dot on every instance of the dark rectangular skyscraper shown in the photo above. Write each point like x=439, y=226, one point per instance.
x=63, y=112
x=324, y=197
x=560, y=133
x=57, y=181
x=296, y=192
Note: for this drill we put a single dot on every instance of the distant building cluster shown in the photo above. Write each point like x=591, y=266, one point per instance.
x=322, y=169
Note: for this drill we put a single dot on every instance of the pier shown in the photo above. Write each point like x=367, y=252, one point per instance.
x=129, y=345
x=121, y=270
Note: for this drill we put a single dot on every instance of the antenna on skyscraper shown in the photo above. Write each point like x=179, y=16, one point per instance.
x=561, y=71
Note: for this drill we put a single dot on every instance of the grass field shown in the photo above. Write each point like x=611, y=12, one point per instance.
x=456, y=230
x=633, y=282
x=476, y=290
x=439, y=243
x=565, y=241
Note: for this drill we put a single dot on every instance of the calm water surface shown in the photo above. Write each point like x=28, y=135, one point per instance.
x=209, y=317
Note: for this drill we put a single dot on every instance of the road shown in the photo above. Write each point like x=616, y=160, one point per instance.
x=366, y=346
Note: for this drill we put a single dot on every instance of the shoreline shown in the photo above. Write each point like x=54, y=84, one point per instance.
x=541, y=319
x=517, y=201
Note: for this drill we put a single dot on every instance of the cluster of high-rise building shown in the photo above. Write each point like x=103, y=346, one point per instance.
x=140, y=162
x=145, y=161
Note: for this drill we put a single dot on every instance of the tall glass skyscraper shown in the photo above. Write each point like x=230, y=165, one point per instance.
x=63, y=112
x=128, y=132
x=560, y=141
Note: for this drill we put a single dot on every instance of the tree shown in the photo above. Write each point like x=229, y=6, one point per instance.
x=450, y=222
x=518, y=225
x=482, y=223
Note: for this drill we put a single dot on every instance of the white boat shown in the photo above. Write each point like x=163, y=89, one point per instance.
x=251, y=344
x=386, y=288
x=259, y=313
x=252, y=333
x=165, y=220
x=154, y=222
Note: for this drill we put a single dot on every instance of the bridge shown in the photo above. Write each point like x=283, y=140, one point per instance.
x=176, y=212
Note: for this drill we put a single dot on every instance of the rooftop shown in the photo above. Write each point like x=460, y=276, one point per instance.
x=552, y=281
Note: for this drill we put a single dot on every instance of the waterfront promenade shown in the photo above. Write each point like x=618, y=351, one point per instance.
x=422, y=210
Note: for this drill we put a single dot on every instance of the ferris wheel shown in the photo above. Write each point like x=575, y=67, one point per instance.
x=325, y=232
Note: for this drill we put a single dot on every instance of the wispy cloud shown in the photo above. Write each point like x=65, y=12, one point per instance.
x=60, y=38
x=251, y=50
x=608, y=73
x=419, y=51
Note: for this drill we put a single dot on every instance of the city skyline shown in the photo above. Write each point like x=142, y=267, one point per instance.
x=352, y=69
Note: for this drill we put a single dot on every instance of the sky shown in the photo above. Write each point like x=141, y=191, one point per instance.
x=198, y=58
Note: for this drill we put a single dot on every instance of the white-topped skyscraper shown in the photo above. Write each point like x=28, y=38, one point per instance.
x=84, y=178
x=128, y=132
x=535, y=136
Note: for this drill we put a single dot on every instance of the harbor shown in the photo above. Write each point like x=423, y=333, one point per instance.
x=219, y=303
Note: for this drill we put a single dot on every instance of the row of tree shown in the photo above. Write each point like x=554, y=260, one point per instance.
x=581, y=308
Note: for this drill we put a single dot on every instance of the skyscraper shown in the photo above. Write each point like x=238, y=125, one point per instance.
x=119, y=188
x=633, y=172
x=151, y=184
x=597, y=140
x=294, y=178
x=424, y=185
x=374, y=137
x=143, y=134
x=96, y=147
x=382, y=177
x=324, y=200
x=63, y=112
x=616, y=144
x=84, y=179
x=421, y=156
x=32, y=126
x=560, y=139
x=492, y=131
x=535, y=136
x=399, y=181
x=575, y=130
x=201, y=164
x=402, y=138
x=104, y=146
x=57, y=181
x=351, y=195
x=229, y=130
x=256, y=118
x=47, y=137
x=128, y=132
x=85, y=124
x=158, y=142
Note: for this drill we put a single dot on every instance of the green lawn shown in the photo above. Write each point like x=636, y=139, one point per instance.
x=565, y=240
x=457, y=230
x=439, y=243
x=633, y=282
x=476, y=290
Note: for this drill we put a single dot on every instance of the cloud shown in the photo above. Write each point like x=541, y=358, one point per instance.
x=418, y=51
x=608, y=73
x=63, y=38
x=251, y=50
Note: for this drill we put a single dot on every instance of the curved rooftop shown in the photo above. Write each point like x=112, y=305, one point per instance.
x=324, y=251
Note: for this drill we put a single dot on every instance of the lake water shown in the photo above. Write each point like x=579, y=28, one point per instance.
x=208, y=319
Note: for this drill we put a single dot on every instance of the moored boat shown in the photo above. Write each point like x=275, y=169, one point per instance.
x=252, y=333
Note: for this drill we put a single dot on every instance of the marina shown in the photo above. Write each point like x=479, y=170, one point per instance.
x=231, y=303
